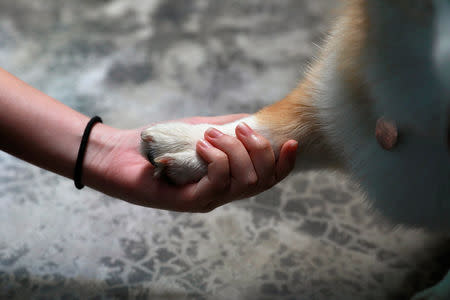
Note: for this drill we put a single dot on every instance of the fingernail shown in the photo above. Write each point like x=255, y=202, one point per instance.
x=245, y=129
x=294, y=145
x=204, y=144
x=213, y=133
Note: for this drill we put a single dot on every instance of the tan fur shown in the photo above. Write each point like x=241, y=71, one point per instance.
x=351, y=39
x=294, y=117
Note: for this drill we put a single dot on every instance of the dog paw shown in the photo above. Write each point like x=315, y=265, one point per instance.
x=171, y=149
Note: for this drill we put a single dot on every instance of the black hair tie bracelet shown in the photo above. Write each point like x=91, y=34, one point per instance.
x=82, y=151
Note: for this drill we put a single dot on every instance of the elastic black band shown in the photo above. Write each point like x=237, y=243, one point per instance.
x=82, y=151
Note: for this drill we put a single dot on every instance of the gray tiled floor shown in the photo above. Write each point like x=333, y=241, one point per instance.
x=136, y=62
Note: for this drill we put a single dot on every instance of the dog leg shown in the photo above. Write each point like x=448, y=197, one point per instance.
x=171, y=147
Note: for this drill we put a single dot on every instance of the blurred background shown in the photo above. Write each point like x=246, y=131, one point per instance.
x=136, y=62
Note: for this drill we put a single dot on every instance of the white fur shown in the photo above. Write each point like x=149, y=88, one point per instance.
x=411, y=184
x=176, y=142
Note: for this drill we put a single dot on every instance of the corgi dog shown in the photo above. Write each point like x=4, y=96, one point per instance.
x=375, y=103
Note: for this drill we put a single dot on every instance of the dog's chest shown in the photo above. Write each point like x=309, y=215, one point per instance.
x=410, y=182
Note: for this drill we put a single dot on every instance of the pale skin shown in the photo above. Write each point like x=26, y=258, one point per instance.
x=42, y=131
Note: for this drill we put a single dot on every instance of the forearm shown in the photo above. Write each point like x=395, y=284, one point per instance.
x=38, y=129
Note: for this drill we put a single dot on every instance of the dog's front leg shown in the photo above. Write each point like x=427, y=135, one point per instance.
x=171, y=147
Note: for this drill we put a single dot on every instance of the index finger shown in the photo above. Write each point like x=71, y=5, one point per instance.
x=211, y=188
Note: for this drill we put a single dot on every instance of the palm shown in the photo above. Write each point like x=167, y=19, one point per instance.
x=131, y=175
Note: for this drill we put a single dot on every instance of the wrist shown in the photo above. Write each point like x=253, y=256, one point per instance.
x=110, y=154
x=98, y=155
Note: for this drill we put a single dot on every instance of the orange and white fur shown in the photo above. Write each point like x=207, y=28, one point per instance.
x=383, y=58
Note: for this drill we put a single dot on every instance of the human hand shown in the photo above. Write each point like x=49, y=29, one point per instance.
x=238, y=167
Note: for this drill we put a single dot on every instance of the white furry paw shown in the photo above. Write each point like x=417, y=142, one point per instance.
x=171, y=149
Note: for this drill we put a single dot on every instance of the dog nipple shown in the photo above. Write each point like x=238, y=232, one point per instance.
x=386, y=133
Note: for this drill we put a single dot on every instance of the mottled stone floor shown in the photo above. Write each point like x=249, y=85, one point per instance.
x=135, y=62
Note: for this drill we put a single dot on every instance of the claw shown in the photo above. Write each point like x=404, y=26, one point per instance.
x=146, y=137
x=161, y=165
x=163, y=160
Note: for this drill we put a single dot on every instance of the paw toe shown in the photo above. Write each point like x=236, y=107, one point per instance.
x=163, y=160
x=162, y=164
x=147, y=148
x=146, y=136
x=172, y=152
